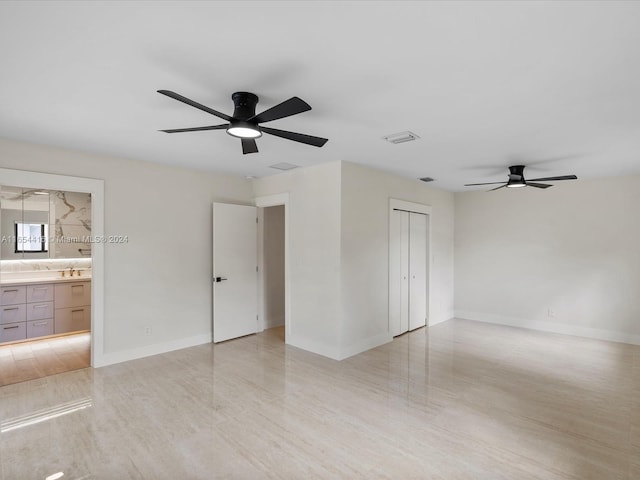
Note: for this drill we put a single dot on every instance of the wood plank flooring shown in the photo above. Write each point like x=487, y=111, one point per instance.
x=38, y=358
x=458, y=401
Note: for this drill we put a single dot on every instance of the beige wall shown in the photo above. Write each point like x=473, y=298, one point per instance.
x=574, y=249
x=162, y=277
x=340, y=249
x=314, y=231
x=365, y=252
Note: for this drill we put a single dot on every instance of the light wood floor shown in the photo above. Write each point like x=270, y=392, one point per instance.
x=39, y=358
x=460, y=400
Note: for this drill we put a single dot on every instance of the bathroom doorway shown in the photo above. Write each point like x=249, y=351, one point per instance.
x=45, y=282
x=88, y=315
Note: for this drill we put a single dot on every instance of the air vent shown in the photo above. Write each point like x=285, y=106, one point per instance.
x=283, y=166
x=401, y=137
x=427, y=179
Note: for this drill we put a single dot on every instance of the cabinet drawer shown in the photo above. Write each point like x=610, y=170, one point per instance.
x=13, y=295
x=39, y=293
x=40, y=328
x=13, y=313
x=38, y=311
x=72, y=319
x=74, y=294
x=13, y=332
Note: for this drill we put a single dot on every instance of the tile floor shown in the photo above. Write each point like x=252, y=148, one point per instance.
x=460, y=400
x=28, y=360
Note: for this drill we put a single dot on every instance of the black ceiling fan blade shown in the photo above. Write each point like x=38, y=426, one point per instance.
x=497, y=188
x=538, y=185
x=287, y=108
x=249, y=146
x=554, y=179
x=197, y=129
x=476, y=184
x=296, y=137
x=197, y=105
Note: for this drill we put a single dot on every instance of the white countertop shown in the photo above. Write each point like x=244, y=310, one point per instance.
x=44, y=279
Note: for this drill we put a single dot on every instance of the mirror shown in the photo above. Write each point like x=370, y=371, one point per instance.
x=38, y=224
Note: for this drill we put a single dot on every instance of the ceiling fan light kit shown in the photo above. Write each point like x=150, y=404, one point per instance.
x=244, y=124
x=241, y=129
x=517, y=180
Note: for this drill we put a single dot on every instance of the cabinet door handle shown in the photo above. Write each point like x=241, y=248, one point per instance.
x=9, y=328
x=12, y=290
x=40, y=306
x=12, y=308
x=39, y=324
x=79, y=310
x=40, y=288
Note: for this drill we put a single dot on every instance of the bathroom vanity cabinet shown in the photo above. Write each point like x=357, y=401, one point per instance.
x=31, y=310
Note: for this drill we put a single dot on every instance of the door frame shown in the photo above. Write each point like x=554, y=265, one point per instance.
x=49, y=181
x=274, y=201
x=397, y=204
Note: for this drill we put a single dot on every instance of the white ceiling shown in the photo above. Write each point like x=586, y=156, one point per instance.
x=552, y=85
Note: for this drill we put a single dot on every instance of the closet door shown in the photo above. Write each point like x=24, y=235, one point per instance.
x=399, y=273
x=404, y=272
x=417, y=270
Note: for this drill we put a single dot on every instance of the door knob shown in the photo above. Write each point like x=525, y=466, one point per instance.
x=219, y=279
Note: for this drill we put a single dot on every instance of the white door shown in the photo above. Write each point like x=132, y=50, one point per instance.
x=408, y=271
x=235, y=280
x=399, y=273
x=417, y=270
x=404, y=272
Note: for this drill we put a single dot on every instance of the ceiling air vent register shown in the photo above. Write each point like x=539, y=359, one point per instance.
x=284, y=166
x=401, y=137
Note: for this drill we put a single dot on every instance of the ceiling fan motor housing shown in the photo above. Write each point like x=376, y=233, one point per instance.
x=516, y=176
x=245, y=105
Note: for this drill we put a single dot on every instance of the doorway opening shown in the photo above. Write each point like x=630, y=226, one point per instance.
x=272, y=274
x=274, y=292
x=45, y=282
x=89, y=312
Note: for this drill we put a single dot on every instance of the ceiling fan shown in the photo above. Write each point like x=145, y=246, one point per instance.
x=245, y=124
x=516, y=179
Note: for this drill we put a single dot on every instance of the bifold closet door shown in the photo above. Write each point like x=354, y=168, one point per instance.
x=417, y=266
x=408, y=272
x=399, y=273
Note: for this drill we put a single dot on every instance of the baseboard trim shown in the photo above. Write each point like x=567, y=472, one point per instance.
x=551, y=327
x=313, y=347
x=364, y=345
x=445, y=318
x=155, y=349
x=274, y=323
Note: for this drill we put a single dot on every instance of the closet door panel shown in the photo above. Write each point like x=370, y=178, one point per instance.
x=417, y=266
x=394, y=273
x=399, y=273
x=404, y=272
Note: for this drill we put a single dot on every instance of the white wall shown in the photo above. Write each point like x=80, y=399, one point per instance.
x=314, y=231
x=339, y=253
x=162, y=277
x=573, y=248
x=365, y=252
x=273, y=264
